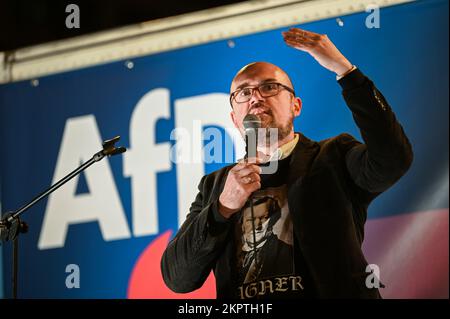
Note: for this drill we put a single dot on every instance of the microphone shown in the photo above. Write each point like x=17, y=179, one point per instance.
x=251, y=125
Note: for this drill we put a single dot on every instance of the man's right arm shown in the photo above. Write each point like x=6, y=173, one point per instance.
x=192, y=254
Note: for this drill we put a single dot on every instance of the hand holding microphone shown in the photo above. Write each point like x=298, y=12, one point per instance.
x=244, y=178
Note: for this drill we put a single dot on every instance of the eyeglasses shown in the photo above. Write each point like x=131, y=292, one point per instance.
x=265, y=90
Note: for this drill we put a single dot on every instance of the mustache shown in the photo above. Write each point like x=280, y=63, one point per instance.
x=260, y=107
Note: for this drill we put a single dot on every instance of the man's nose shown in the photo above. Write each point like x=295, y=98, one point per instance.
x=256, y=97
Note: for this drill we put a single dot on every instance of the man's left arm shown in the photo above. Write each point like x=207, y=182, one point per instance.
x=387, y=153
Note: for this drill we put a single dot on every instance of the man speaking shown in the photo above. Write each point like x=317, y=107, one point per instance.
x=296, y=233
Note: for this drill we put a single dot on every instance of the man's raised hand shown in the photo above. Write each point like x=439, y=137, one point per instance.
x=320, y=47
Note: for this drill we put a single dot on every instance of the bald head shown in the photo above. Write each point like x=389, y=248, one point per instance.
x=259, y=71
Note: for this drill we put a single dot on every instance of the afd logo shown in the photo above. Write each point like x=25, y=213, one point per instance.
x=141, y=163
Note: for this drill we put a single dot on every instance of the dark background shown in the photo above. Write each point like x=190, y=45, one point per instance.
x=29, y=22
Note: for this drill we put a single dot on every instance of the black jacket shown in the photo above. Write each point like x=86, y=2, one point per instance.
x=331, y=184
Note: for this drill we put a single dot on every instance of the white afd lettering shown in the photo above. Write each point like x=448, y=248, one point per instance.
x=81, y=139
x=144, y=159
x=209, y=110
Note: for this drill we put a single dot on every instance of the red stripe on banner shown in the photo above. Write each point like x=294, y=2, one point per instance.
x=146, y=279
x=412, y=253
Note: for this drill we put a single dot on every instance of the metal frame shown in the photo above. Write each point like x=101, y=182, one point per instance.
x=171, y=33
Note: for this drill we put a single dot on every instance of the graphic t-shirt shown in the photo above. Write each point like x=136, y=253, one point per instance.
x=266, y=264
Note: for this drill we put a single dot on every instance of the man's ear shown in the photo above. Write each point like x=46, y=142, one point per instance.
x=233, y=118
x=297, y=106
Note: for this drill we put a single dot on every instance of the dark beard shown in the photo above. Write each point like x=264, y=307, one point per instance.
x=283, y=131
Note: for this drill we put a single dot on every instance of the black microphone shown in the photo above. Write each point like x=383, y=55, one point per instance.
x=251, y=125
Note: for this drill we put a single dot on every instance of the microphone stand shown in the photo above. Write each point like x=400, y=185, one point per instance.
x=11, y=225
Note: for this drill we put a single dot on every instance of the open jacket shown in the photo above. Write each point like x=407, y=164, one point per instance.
x=330, y=186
